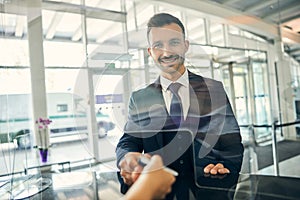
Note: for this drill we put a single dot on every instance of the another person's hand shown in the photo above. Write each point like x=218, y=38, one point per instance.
x=216, y=169
x=153, y=183
x=129, y=167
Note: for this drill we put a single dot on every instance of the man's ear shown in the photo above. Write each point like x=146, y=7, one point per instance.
x=149, y=51
x=187, y=45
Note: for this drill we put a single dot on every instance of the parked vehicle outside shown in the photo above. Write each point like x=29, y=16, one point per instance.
x=64, y=110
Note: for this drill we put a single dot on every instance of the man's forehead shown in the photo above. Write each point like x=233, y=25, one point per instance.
x=165, y=33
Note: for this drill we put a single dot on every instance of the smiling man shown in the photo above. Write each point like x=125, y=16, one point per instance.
x=167, y=48
x=201, y=102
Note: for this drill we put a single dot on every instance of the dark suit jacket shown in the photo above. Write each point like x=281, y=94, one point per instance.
x=210, y=118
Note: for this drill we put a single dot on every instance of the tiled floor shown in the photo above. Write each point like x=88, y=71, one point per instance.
x=289, y=167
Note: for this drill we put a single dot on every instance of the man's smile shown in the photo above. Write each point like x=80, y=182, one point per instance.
x=168, y=59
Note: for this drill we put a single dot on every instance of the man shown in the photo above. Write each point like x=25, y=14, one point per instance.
x=201, y=102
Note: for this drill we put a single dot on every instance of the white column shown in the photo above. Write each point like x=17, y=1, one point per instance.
x=37, y=70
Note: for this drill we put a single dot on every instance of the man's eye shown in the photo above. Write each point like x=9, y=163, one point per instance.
x=175, y=42
x=157, y=46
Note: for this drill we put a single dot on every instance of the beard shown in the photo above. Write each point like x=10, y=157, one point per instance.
x=170, y=64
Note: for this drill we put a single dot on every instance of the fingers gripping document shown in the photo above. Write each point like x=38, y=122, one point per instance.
x=143, y=161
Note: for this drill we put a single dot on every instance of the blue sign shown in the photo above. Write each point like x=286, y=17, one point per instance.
x=109, y=98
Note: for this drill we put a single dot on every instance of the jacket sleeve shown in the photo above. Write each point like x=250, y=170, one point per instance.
x=130, y=141
x=218, y=139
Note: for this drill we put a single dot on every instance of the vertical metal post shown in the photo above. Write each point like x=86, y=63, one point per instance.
x=147, y=67
x=278, y=96
x=225, y=35
x=211, y=66
x=251, y=90
x=253, y=165
x=124, y=28
x=207, y=31
x=274, y=149
x=91, y=116
x=232, y=89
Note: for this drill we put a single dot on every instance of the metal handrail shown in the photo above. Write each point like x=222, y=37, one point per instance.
x=288, y=123
x=274, y=126
x=270, y=125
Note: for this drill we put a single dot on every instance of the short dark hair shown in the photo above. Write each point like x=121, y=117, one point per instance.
x=162, y=19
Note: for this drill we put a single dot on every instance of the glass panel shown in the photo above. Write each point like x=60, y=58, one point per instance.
x=195, y=30
x=138, y=16
x=216, y=34
x=296, y=92
x=252, y=36
x=105, y=4
x=107, y=57
x=13, y=50
x=69, y=125
x=168, y=9
x=110, y=111
x=241, y=96
x=62, y=54
x=15, y=94
x=243, y=99
x=138, y=13
x=261, y=101
x=16, y=124
x=64, y=28
x=15, y=117
x=106, y=31
x=233, y=30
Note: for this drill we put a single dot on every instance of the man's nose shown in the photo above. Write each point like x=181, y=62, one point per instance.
x=166, y=50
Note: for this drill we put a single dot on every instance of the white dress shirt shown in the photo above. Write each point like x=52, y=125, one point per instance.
x=183, y=92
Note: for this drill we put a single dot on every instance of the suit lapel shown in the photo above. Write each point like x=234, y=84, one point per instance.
x=195, y=86
x=194, y=83
x=157, y=92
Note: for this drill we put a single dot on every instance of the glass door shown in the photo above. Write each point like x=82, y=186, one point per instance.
x=111, y=91
x=248, y=93
x=236, y=82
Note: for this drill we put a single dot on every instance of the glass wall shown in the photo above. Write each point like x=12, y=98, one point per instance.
x=15, y=91
x=72, y=43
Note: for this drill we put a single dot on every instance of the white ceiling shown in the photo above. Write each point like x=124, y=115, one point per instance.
x=259, y=17
x=285, y=13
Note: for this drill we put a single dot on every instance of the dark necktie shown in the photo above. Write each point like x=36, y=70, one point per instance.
x=176, y=106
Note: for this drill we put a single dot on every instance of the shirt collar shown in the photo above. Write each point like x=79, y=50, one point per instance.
x=183, y=79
